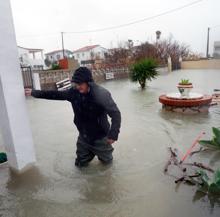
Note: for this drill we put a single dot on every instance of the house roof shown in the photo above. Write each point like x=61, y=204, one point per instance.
x=31, y=49
x=56, y=51
x=86, y=48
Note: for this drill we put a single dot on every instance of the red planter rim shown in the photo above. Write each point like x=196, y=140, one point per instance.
x=185, y=85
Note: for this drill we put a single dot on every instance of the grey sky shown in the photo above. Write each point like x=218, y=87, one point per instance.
x=38, y=23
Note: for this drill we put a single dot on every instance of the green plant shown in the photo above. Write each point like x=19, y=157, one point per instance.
x=143, y=70
x=208, y=185
x=55, y=66
x=215, y=142
x=3, y=157
x=204, y=181
x=185, y=82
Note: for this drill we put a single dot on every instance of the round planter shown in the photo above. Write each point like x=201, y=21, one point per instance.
x=205, y=100
x=185, y=89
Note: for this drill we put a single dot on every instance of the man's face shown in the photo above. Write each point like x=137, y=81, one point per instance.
x=82, y=88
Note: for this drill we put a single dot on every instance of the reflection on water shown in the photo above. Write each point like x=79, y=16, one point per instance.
x=134, y=184
x=99, y=188
x=29, y=180
x=211, y=200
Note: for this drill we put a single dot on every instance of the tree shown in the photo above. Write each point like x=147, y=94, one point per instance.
x=143, y=70
x=127, y=54
x=143, y=51
x=117, y=56
x=174, y=49
x=47, y=62
x=122, y=55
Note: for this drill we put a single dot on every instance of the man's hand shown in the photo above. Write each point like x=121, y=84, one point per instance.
x=27, y=91
x=110, y=141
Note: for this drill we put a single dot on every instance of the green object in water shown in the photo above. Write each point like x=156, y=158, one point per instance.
x=3, y=157
x=215, y=142
x=210, y=185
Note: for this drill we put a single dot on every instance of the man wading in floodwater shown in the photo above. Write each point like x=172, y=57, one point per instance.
x=91, y=104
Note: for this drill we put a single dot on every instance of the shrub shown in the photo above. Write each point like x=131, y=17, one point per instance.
x=143, y=70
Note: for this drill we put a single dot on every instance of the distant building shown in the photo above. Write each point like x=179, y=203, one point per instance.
x=216, y=52
x=87, y=55
x=56, y=55
x=31, y=57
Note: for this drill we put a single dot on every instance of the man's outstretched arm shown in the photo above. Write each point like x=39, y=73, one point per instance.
x=48, y=94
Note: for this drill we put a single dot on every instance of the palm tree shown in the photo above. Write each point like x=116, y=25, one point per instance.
x=143, y=70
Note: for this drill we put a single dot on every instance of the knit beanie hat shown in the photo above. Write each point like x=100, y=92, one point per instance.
x=81, y=75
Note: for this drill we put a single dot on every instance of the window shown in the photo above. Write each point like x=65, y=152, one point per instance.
x=58, y=56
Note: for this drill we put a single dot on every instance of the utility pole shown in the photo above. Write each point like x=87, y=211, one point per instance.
x=63, y=44
x=207, y=49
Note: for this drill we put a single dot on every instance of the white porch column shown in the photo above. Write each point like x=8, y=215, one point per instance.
x=14, y=120
x=42, y=55
x=169, y=64
x=33, y=53
x=36, y=81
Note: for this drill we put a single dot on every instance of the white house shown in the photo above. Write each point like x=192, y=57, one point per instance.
x=31, y=57
x=87, y=55
x=56, y=55
x=216, y=52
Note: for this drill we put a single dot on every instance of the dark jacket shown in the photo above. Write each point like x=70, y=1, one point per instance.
x=90, y=110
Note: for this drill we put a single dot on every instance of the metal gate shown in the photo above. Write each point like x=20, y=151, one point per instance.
x=27, y=76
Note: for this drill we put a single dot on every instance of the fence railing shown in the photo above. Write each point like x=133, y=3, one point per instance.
x=27, y=77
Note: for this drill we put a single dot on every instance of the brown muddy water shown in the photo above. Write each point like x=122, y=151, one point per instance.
x=134, y=186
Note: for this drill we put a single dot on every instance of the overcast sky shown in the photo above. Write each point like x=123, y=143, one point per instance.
x=38, y=23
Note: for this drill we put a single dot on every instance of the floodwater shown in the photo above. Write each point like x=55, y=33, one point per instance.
x=134, y=186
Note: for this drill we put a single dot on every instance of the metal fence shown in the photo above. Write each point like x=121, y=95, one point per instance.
x=27, y=77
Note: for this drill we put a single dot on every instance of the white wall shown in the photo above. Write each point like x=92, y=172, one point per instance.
x=100, y=51
x=216, y=52
x=27, y=58
x=54, y=56
x=14, y=121
x=86, y=55
x=201, y=64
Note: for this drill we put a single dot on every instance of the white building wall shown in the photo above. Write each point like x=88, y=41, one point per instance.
x=27, y=59
x=57, y=55
x=86, y=55
x=100, y=51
